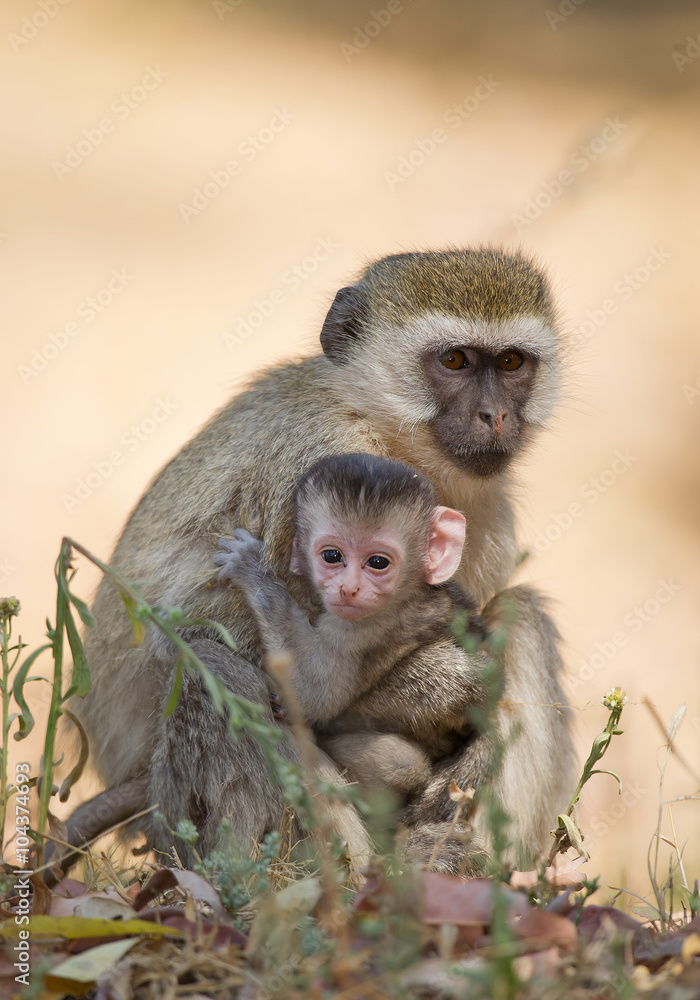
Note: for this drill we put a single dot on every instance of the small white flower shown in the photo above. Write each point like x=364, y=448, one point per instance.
x=614, y=698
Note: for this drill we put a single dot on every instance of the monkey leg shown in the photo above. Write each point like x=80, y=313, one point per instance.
x=201, y=774
x=535, y=778
x=380, y=759
x=443, y=848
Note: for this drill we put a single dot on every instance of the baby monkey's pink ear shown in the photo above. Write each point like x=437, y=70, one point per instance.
x=295, y=561
x=444, y=552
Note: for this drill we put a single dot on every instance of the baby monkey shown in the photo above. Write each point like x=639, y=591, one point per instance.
x=377, y=673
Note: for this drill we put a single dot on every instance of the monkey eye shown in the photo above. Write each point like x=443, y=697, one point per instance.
x=378, y=562
x=454, y=360
x=509, y=361
x=332, y=556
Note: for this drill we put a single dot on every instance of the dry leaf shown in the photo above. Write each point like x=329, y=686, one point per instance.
x=540, y=930
x=170, y=878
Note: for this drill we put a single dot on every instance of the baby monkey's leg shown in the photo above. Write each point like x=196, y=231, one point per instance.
x=386, y=759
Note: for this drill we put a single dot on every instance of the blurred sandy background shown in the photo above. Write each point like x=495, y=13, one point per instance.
x=117, y=113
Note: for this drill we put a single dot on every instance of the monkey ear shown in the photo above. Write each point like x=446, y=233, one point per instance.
x=343, y=324
x=295, y=562
x=445, y=545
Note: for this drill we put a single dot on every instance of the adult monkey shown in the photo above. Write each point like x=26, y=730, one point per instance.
x=449, y=361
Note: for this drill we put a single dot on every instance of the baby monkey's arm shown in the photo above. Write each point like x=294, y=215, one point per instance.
x=325, y=676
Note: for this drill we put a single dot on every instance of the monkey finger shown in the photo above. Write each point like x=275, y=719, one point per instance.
x=222, y=559
x=228, y=544
x=243, y=536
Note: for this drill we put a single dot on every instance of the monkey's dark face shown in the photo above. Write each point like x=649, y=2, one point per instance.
x=480, y=398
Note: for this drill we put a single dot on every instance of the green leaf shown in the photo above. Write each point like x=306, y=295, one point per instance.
x=174, y=696
x=185, y=622
x=62, y=576
x=214, y=687
x=80, y=680
x=25, y=719
x=86, y=616
x=132, y=610
x=612, y=774
x=574, y=834
x=77, y=771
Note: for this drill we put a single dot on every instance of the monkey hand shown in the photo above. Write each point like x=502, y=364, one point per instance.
x=241, y=557
x=278, y=709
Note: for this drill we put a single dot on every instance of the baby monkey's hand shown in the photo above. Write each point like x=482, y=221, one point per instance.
x=241, y=559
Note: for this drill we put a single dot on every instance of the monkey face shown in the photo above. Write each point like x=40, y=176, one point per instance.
x=481, y=399
x=456, y=352
x=355, y=573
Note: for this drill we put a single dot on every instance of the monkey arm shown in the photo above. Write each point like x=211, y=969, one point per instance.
x=283, y=627
x=282, y=624
x=426, y=696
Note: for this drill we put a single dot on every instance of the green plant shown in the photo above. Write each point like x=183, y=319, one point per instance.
x=64, y=628
x=567, y=833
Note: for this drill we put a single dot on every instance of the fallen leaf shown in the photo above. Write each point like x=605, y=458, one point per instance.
x=191, y=882
x=86, y=927
x=104, y=907
x=222, y=934
x=565, y=876
x=41, y=895
x=468, y=903
x=69, y=887
x=591, y=920
x=66, y=906
x=540, y=930
x=79, y=971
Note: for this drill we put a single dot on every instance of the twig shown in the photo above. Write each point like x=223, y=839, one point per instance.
x=670, y=743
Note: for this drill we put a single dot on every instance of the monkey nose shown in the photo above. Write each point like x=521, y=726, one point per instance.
x=494, y=420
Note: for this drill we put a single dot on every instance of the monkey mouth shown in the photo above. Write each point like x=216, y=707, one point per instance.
x=482, y=461
x=349, y=612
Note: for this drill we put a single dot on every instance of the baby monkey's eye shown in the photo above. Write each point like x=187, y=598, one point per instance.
x=332, y=556
x=378, y=562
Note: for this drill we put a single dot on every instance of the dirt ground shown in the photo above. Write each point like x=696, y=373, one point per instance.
x=186, y=185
